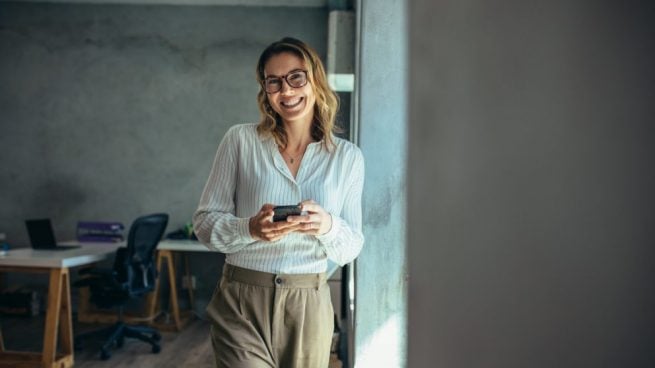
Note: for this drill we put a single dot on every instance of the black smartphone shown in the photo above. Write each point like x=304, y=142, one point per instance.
x=280, y=213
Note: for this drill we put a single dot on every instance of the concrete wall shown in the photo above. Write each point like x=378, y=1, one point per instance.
x=108, y=112
x=531, y=184
x=381, y=282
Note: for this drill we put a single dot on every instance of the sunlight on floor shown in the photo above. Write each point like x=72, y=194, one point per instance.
x=383, y=349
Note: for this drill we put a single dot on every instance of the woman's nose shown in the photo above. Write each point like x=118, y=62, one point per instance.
x=285, y=86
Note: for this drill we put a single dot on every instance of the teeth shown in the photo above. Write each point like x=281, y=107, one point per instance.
x=291, y=103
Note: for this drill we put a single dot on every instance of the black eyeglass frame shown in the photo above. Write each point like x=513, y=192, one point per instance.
x=285, y=78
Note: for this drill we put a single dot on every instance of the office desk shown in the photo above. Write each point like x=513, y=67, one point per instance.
x=58, y=313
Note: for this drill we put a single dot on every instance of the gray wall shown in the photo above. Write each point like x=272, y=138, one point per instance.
x=381, y=282
x=531, y=184
x=109, y=112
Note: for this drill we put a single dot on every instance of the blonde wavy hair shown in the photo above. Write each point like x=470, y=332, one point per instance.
x=327, y=101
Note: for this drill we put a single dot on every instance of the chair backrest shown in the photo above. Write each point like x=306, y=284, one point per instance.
x=135, y=265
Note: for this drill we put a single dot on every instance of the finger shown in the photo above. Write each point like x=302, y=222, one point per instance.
x=276, y=226
x=287, y=230
x=301, y=218
x=267, y=207
x=280, y=225
x=309, y=226
x=265, y=218
x=311, y=207
x=267, y=230
x=271, y=235
x=279, y=234
x=314, y=217
x=292, y=228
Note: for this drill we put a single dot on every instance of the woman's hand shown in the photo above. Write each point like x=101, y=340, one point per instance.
x=317, y=221
x=262, y=227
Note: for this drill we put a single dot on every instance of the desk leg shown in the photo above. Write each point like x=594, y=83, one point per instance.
x=173, y=286
x=187, y=272
x=153, y=304
x=153, y=298
x=58, y=318
x=66, y=317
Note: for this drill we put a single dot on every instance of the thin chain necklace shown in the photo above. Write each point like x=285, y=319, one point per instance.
x=291, y=158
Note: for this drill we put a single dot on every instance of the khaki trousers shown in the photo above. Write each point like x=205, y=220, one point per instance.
x=266, y=320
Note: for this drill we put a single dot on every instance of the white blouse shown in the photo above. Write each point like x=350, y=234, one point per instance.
x=249, y=171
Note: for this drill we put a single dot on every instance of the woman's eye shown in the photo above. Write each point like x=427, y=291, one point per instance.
x=273, y=82
x=299, y=77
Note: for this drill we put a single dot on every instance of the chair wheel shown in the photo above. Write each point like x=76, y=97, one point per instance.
x=104, y=354
x=120, y=343
x=156, y=336
x=156, y=349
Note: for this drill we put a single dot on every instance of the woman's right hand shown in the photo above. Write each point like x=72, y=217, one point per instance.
x=262, y=227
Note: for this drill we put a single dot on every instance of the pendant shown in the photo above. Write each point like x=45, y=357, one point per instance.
x=291, y=160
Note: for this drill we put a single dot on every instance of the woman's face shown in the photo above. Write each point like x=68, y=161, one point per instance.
x=294, y=105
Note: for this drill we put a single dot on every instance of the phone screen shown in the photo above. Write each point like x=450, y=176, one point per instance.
x=280, y=213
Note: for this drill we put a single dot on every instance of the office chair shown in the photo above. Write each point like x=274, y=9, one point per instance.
x=132, y=276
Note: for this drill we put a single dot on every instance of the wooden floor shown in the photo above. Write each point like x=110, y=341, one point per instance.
x=189, y=348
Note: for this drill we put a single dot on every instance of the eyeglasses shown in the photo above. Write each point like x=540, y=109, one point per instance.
x=295, y=79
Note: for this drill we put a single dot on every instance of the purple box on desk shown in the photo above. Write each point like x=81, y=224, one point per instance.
x=96, y=231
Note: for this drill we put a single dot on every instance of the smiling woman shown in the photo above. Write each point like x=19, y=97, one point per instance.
x=286, y=56
x=272, y=306
x=289, y=96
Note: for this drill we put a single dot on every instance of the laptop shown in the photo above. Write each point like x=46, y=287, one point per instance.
x=42, y=236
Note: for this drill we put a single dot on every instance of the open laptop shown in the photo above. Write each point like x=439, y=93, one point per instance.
x=42, y=236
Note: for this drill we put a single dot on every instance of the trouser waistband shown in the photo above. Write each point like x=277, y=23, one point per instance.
x=271, y=280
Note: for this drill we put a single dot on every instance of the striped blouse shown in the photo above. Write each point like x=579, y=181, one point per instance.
x=249, y=171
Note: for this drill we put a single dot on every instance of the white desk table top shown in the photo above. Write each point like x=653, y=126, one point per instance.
x=87, y=253
x=182, y=245
x=94, y=252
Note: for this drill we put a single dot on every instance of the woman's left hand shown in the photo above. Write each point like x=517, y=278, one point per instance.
x=317, y=221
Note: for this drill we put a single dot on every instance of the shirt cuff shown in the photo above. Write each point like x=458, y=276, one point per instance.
x=243, y=229
x=331, y=234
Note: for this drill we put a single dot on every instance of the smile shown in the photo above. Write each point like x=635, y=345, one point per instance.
x=291, y=103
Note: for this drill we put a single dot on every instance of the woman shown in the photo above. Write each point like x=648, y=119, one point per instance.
x=272, y=306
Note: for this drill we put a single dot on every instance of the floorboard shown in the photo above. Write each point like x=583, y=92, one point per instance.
x=189, y=348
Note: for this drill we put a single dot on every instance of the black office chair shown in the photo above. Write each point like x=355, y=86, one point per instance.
x=132, y=276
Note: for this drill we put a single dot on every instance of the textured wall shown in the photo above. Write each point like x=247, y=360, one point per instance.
x=108, y=112
x=531, y=184
x=381, y=282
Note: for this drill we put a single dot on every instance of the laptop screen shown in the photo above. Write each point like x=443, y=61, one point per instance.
x=41, y=234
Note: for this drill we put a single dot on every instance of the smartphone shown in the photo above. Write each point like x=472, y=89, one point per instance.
x=280, y=213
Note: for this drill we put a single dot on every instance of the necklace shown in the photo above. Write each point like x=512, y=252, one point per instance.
x=291, y=158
